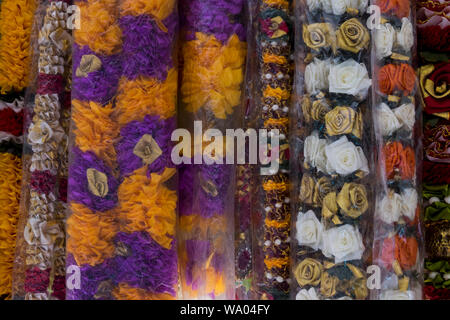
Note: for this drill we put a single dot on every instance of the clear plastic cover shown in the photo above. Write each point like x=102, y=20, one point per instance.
x=39, y=272
x=213, y=55
x=121, y=230
x=398, y=237
x=270, y=92
x=332, y=144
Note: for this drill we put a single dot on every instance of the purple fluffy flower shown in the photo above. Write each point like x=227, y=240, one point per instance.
x=146, y=264
x=212, y=17
x=204, y=189
x=147, y=50
x=161, y=131
x=91, y=278
x=185, y=188
x=78, y=182
x=212, y=191
x=100, y=85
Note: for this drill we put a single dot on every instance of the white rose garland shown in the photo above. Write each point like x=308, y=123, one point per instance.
x=349, y=77
x=344, y=243
x=309, y=230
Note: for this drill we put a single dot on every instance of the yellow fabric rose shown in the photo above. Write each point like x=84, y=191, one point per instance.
x=343, y=120
x=319, y=109
x=321, y=189
x=328, y=285
x=353, y=200
x=319, y=35
x=329, y=205
x=308, y=272
x=306, y=189
x=353, y=36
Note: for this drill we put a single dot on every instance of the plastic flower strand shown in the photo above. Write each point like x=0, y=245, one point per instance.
x=213, y=75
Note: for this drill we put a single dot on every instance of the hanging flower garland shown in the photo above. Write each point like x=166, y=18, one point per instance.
x=333, y=194
x=397, y=228
x=14, y=68
x=42, y=238
x=213, y=55
x=273, y=76
x=123, y=203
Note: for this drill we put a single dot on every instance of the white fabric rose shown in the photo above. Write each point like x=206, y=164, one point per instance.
x=314, y=151
x=390, y=208
x=307, y=294
x=327, y=6
x=314, y=4
x=397, y=295
x=387, y=120
x=316, y=75
x=309, y=230
x=410, y=200
x=339, y=7
x=405, y=37
x=344, y=158
x=344, y=243
x=384, y=40
x=406, y=114
x=349, y=77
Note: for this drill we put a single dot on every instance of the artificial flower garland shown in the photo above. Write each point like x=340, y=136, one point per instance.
x=121, y=231
x=433, y=25
x=41, y=246
x=213, y=53
x=15, y=34
x=333, y=196
x=397, y=246
x=272, y=93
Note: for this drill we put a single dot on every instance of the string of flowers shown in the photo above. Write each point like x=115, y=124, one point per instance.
x=272, y=217
x=16, y=19
x=433, y=25
x=397, y=227
x=92, y=224
x=333, y=204
x=40, y=258
x=121, y=186
x=213, y=56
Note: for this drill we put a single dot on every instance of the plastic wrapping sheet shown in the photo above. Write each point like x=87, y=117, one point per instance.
x=270, y=92
x=398, y=237
x=213, y=55
x=434, y=78
x=332, y=142
x=39, y=272
x=121, y=229
x=16, y=19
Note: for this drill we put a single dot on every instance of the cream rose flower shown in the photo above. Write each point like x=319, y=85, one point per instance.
x=405, y=37
x=397, y=295
x=390, y=207
x=341, y=6
x=307, y=294
x=327, y=6
x=344, y=158
x=309, y=230
x=314, y=151
x=384, y=40
x=316, y=75
x=409, y=203
x=406, y=114
x=349, y=77
x=344, y=243
x=387, y=120
x=314, y=4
